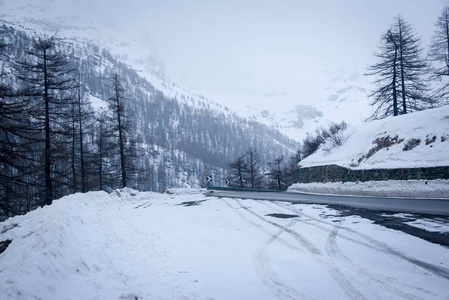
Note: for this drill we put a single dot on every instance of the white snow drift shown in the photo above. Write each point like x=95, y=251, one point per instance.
x=131, y=245
x=392, y=188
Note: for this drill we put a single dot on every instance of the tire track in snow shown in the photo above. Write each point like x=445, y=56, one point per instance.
x=381, y=246
x=381, y=282
x=323, y=228
x=262, y=265
x=333, y=270
x=270, y=279
x=262, y=228
x=332, y=249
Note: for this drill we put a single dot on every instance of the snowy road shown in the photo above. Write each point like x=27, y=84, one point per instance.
x=425, y=206
x=329, y=244
x=130, y=245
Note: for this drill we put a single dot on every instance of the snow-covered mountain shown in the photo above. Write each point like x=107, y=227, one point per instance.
x=341, y=94
x=84, y=22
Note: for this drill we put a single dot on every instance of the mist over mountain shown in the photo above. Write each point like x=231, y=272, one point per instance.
x=103, y=22
x=344, y=99
x=119, y=28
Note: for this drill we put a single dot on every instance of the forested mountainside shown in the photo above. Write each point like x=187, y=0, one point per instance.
x=170, y=141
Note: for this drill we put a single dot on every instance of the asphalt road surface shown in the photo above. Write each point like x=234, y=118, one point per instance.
x=409, y=205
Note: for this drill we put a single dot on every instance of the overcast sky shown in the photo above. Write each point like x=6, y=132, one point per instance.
x=260, y=51
x=274, y=48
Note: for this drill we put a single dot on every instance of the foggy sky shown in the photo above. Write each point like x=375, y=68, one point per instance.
x=268, y=53
x=272, y=50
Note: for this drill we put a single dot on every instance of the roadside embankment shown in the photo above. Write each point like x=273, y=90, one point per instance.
x=438, y=188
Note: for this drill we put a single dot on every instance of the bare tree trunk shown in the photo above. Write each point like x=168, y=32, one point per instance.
x=118, y=99
x=401, y=59
x=47, y=151
x=74, y=179
x=395, y=92
x=83, y=173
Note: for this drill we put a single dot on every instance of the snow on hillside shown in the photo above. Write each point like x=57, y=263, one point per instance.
x=419, y=139
x=182, y=245
x=85, y=23
x=97, y=103
x=339, y=94
x=86, y=20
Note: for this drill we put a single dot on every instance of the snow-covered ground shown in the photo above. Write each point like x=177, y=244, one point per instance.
x=391, y=188
x=415, y=140
x=183, y=245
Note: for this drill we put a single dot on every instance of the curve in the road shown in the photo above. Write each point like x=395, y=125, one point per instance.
x=424, y=206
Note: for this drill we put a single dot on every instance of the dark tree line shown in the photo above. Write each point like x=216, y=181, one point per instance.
x=43, y=123
x=249, y=171
x=46, y=86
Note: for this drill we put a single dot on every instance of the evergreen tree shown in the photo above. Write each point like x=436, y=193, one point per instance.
x=162, y=175
x=238, y=172
x=291, y=167
x=276, y=174
x=255, y=178
x=15, y=142
x=102, y=149
x=400, y=85
x=117, y=106
x=439, y=55
x=82, y=118
x=47, y=77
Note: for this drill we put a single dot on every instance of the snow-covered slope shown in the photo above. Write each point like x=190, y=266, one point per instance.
x=130, y=245
x=339, y=94
x=419, y=139
x=85, y=22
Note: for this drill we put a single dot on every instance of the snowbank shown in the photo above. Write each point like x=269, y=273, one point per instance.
x=419, y=139
x=391, y=188
x=182, y=245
